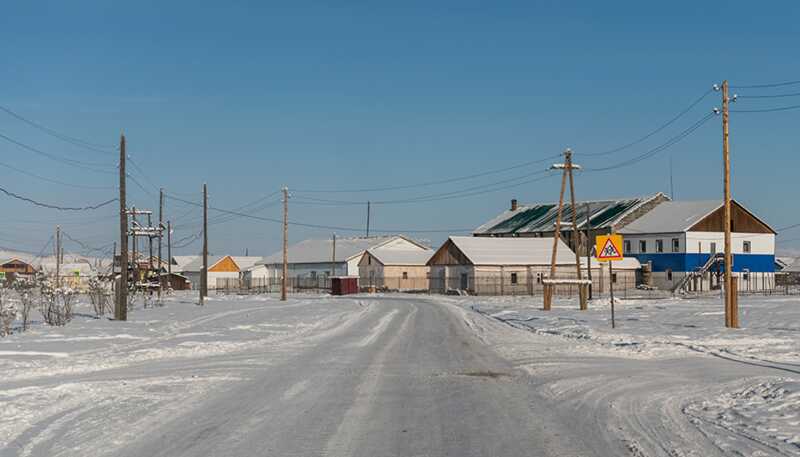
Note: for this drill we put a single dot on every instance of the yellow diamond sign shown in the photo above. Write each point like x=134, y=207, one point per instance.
x=608, y=247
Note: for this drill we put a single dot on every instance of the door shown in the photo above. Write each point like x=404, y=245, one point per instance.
x=464, y=281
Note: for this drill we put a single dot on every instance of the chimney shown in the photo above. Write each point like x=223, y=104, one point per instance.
x=513, y=204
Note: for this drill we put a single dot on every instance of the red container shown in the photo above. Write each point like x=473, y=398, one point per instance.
x=344, y=285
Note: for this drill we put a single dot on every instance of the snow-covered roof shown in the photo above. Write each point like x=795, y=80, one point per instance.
x=512, y=251
x=245, y=262
x=180, y=261
x=196, y=265
x=320, y=251
x=389, y=256
x=672, y=217
x=542, y=217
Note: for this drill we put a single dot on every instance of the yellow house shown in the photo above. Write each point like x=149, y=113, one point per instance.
x=395, y=269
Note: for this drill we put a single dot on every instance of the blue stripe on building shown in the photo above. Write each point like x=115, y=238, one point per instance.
x=678, y=262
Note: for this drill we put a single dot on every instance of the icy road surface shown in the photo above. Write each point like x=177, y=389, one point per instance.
x=379, y=376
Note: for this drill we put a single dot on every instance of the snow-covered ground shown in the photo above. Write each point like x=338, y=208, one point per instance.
x=668, y=380
x=760, y=406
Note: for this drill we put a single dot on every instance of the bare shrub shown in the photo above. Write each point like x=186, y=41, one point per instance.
x=99, y=294
x=26, y=291
x=55, y=305
x=8, y=312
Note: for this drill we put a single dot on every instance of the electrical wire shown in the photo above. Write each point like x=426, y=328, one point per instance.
x=766, y=110
x=431, y=183
x=317, y=226
x=56, y=207
x=788, y=227
x=91, y=166
x=666, y=145
x=69, y=139
x=762, y=86
x=53, y=181
x=657, y=130
x=795, y=94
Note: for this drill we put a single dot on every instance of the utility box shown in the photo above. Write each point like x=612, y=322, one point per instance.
x=344, y=285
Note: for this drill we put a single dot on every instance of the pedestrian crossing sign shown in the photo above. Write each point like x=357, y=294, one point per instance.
x=608, y=247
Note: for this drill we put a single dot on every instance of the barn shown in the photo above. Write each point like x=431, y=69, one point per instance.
x=222, y=271
x=497, y=266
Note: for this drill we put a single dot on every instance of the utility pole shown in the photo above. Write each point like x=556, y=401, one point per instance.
x=575, y=233
x=333, y=257
x=169, y=247
x=135, y=245
x=58, y=256
x=204, y=273
x=121, y=306
x=160, y=238
x=285, y=242
x=150, y=244
x=368, y=211
x=589, y=248
x=731, y=314
x=548, y=292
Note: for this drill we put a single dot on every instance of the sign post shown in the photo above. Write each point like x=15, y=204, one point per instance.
x=608, y=248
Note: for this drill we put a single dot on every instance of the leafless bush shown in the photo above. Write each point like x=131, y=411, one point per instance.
x=8, y=312
x=99, y=293
x=56, y=305
x=26, y=291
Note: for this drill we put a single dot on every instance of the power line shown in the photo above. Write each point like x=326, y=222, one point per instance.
x=431, y=183
x=87, y=248
x=787, y=227
x=766, y=110
x=51, y=180
x=795, y=94
x=657, y=130
x=762, y=86
x=672, y=141
x=317, y=226
x=69, y=139
x=56, y=207
x=74, y=163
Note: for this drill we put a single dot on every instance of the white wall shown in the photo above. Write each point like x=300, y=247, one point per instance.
x=760, y=243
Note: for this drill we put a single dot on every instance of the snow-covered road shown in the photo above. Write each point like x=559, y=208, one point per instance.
x=380, y=376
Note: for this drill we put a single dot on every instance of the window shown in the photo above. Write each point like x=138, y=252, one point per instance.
x=369, y=260
x=513, y=278
x=627, y=246
x=746, y=247
x=405, y=275
x=538, y=278
x=659, y=245
x=669, y=274
x=313, y=275
x=746, y=274
x=676, y=245
x=642, y=246
x=713, y=248
x=614, y=278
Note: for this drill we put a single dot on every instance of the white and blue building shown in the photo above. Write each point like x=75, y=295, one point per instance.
x=682, y=241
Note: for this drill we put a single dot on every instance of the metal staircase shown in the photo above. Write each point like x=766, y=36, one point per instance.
x=699, y=271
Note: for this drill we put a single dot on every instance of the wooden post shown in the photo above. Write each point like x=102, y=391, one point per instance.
x=735, y=302
x=548, y=291
x=611, y=291
x=58, y=256
x=284, y=279
x=729, y=318
x=121, y=306
x=134, y=241
x=575, y=234
x=333, y=257
x=169, y=247
x=160, y=239
x=204, y=273
x=589, y=249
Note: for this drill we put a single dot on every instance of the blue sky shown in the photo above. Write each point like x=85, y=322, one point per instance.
x=249, y=96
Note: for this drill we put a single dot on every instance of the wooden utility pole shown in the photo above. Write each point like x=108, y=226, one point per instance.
x=204, y=273
x=284, y=278
x=150, y=244
x=548, y=290
x=333, y=257
x=731, y=314
x=169, y=247
x=121, y=306
x=160, y=238
x=135, y=242
x=589, y=248
x=58, y=256
x=575, y=234
x=368, y=214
